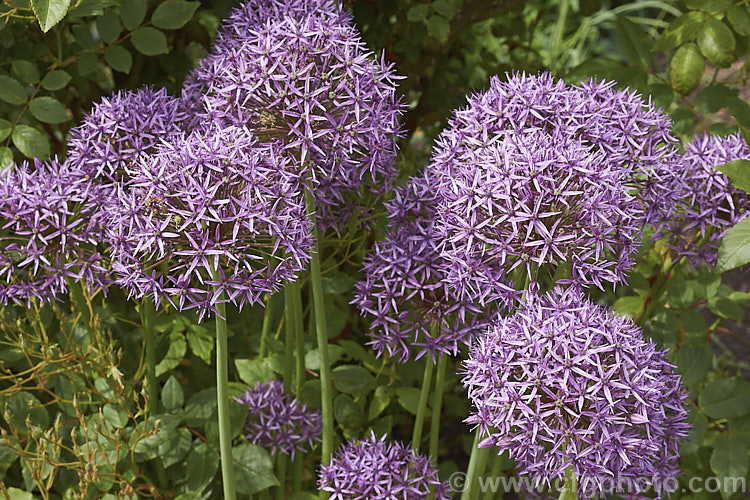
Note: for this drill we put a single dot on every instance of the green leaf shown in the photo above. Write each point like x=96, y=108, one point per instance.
x=118, y=58
x=312, y=358
x=352, y=379
x=176, y=446
x=408, y=398
x=23, y=405
x=347, y=413
x=201, y=466
x=337, y=283
x=172, y=396
x=725, y=398
x=693, y=361
x=5, y=129
x=149, y=41
x=173, y=14
x=710, y=6
x=108, y=26
x=628, y=306
x=55, y=80
x=726, y=308
x=738, y=172
x=87, y=63
x=11, y=91
x=633, y=42
x=717, y=43
x=6, y=157
x=439, y=27
x=418, y=13
x=740, y=19
x=175, y=353
x=714, y=97
x=686, y=68
x=734, y=250
x=252, y=371
x=26, y=71
x=729, y=458
x=200, y=407
x=115, y=415
x=253, y=471
x=380, y=401
x=683, y=29
x=48, y=110
x=49, y=12
x=16, y=494
x=444, y=8
x=30, y=142
x=92, y=8
x=132, y=13
x=201, y=342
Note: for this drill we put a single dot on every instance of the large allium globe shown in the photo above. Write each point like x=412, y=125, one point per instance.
x=47, y=233
x=707, y=203
x=373, y=468
x=309, y=85
x=413, y=309
x=519, y=205
x=211, y=199
x=279, y=422
x=564, y=381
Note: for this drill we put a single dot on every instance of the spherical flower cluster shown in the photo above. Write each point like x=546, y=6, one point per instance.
x=404, y=289
x=308, y=84
x=707, y=203
x=517, y=205
x=210, y=209
x=566, y=382
x=373, y=468
x=279, y=422
x=121, y=130
x=47, y=234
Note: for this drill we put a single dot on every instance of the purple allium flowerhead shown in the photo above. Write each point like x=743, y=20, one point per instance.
x=212, y=199
x=707, y=203
x=403, y=290
x=47, y=233
x=279, y=422
x=564, y=381
x=309, y=85
x=373, y=468
x=518, y=205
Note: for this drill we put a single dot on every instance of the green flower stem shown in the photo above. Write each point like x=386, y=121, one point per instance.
x=570, y=490
x=281, y=466
x=326, y=389
x=222, y=394
x=497, y=469
x=77, y=290
x=437, y=405
x=149, y=311
x=299, y=342
x=477, y=464
x=266, y=331
x=416, y=437
x=290, y=322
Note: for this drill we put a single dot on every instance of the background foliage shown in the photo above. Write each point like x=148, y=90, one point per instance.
x=73, y=421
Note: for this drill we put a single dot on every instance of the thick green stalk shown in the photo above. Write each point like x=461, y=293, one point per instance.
x=321, y=330
x=477, y=464
x=266, y=331
x=570, y=490
x=281, y=466
x=149, y=311
x=222, y=395
x=290, y=322
x=299, y=342
x=437, y=405
x=416, y=437
x=497, y=469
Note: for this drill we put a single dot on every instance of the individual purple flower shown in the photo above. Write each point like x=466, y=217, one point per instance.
x=413, y=309
x=47, y=234
x=210, y=201
x=707, y=203
x=520, y=205
x=566, y=382
x=279, y=422
x=309, y=85
x=372, y=468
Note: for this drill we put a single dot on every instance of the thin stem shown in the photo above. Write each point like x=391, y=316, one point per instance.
x=497, y=469
x=416, y=437
x=266, y=331
x=222, y=393
x=149, y=311
x=79, y=300
x=477, y=464
x=437, y=405
x=321, y=330
x=290, y=322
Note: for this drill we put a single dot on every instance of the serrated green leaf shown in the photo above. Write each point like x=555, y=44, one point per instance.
x=30, y=142
x=200, y=407
x=633, y=42
x=176, y=446
x=352, y=379
x=734, y=250
x=201, y=466
x=115, y=415
x=11, y=91
x=55, y=80
x=26, y=71
x=725, y=398
x=253, y=471
x=686, y=68
x=173, y=14
x=693, y=361
x=714, y=97
x=6, y=128
x=628, y=306
x=6, y=157
x=683, y=29
x=738, y=172
x=132, y=13
x=439, y=27
x=347, y=413
x=408, y=398
x=740, y=19
x=380, y=401
x=149, y=41
x=729, y=458
x=444, y=8
x=48, y=110
x=118, y=58
x=717, y=43
x=92, y=8
x=418, y=13
x=108, y=26
x=49, y=12
x=201, y=342
x=172, y=396
x=252, y=371
x=175, y=353
x=312, y=358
